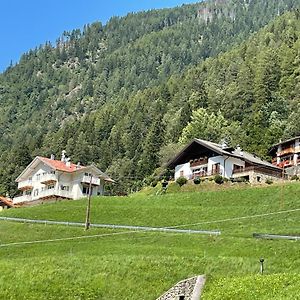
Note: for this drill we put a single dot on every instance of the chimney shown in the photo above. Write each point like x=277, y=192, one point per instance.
x=52, y=157
x=224, y=145
x=78, y=165
x=239, y=150
x=68, y=162
x=63, y=156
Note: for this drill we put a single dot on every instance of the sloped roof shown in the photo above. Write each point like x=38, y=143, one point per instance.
x=60, y=165
x=63, y=167
x=229, y=151
x=286, y=141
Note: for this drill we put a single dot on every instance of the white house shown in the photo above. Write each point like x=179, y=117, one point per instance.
x=47, y=178
x=202, y=158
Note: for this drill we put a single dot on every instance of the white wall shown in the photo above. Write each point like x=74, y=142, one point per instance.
x=229, y=162
x=36, y=182
x=78, y=186
x=215, y=160
x=187, y=172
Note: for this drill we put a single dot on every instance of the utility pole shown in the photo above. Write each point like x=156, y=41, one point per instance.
x=88, y=209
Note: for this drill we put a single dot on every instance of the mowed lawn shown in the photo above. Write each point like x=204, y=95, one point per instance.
x=117, y=264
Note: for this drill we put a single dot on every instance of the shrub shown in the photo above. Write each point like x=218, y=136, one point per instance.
x=219, y=179
x=173, y=187
x=154, y=183
x=269, y=181
x=197, y=180
x=294, y=177
x=181, y=181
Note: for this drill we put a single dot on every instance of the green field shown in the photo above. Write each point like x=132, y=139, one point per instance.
x=118, y=264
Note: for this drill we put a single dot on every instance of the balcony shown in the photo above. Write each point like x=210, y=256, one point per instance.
x=286, y=163
x=203, y=174
x=25, y=185
x=87, y=180
x=45, y=194
x=20, y=199
x=198, y=162
x=286, y=151
x=48, y=178
x=55, y=193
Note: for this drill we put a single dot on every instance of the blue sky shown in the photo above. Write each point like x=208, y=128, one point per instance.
x=27, y=24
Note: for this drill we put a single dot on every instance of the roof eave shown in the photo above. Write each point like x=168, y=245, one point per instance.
x=198, y=141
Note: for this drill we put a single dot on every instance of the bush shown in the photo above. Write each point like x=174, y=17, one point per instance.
x=197, y=180
x=269, y=181
x=173, y=187
x=295, y=177
x=154, y=183
x=181, y=181
x=219, y=179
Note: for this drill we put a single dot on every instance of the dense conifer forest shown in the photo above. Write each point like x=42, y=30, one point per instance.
x=126, y=95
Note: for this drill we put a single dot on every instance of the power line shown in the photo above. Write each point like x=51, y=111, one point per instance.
x=238, y=218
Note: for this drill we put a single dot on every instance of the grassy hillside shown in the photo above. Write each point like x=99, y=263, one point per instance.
x=141, y=265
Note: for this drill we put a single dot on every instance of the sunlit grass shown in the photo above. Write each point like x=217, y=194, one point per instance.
x=142, y=265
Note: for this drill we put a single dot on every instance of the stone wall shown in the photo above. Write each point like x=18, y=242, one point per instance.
x=189, y=288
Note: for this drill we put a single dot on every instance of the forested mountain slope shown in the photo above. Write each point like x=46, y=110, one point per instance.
x=106, y=95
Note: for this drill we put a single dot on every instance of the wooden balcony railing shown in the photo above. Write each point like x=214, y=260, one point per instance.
x=205, y=174
x=286, y=163
x=286, y=151
x=198, y=162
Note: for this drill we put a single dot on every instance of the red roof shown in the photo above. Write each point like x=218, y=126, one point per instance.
x=60, y=165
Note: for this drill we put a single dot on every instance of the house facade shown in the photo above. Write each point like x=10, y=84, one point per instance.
x=204, y=159
x=286, y=154
x=47, y=178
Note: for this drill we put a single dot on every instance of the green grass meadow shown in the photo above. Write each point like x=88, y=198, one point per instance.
x=121, y=264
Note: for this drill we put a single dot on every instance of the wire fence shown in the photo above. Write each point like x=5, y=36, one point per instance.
x=111, y=226
x=275, y=236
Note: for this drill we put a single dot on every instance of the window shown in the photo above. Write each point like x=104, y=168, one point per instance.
x=38, y=176
x=216, y=168
x=181, y=173
x=237, y=168
x=85, y=190
x=50, y=187
x=36, y=192
x=65, y=188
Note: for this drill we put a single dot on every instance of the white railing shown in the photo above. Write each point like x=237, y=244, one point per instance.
x=48, y=177
x=205, y=174
x=53, y=192
x=24, y=198
x=43, y=194
x=24, y=183
x=87, y=179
